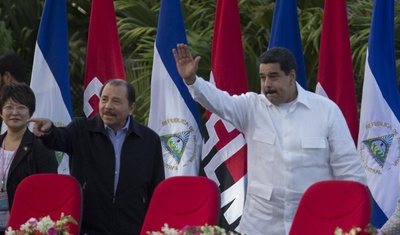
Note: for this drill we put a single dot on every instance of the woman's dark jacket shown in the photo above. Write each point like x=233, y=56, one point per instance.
x=31, y=158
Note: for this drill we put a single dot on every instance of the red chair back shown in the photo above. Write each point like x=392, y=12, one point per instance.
x=329, y=204
x=183, y=200
x=40, y=195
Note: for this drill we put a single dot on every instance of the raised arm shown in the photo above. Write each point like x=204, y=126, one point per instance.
x=186, y=65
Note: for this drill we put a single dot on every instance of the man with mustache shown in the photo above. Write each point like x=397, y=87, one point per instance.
x=117, y=161
x=294, y=138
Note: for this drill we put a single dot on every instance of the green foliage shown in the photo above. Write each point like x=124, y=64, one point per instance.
x=310, y=21
x=5, y=39
x=137, y=24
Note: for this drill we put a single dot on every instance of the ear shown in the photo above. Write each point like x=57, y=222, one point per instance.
x=132, y=108
x=7, y=77
x=292, y=76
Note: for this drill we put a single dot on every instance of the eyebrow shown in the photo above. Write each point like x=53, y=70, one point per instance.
x=269, y=74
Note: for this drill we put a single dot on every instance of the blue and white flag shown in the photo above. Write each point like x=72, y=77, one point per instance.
x=173, y=112
x=379, y=138
x=285, y=32
x=50, y=72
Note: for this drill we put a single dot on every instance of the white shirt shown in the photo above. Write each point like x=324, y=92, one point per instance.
x=4, y=168
x=287, y=151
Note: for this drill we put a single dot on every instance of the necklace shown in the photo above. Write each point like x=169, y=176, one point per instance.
x=4, y=171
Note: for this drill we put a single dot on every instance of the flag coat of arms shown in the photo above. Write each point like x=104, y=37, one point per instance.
x=103, y=57
x=335, y=68
x=285, y=32
x=173, y=112
x=224, y=154
x=50, y=73
x=379, y=138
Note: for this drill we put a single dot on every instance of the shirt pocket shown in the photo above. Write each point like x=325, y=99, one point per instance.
x=264, y=145
x=314, y=151
x=259, y=200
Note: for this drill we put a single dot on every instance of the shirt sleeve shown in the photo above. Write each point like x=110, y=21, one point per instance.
x=345, y=160
x=230, y=108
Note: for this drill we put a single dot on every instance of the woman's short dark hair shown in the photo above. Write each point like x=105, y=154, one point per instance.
x=120, y=82
x=279, y=55
x=19, y=93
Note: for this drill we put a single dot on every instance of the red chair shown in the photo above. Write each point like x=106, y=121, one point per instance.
x=183, y=200
x=40, y=195
x=329, y=204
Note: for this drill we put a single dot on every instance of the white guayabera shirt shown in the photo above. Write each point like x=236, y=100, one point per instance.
x=288, y=150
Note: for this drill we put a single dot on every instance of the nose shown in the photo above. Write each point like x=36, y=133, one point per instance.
x=266, y=82
x=108, y=105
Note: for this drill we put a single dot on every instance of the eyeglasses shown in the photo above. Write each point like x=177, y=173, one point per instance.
x=11, y=108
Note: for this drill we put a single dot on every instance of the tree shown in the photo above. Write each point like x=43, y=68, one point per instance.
x=137, y=25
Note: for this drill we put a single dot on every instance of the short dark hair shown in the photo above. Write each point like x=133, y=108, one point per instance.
x=120, y=82
x=20, y=93
x=15, y=65
x=280, y=55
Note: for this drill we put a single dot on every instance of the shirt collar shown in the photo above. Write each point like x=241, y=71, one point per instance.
x=302, y=96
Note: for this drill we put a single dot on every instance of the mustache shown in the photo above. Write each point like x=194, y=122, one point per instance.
x=269, y=91
x=110, y=113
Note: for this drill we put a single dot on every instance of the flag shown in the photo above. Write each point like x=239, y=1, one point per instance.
x=173, y=112
x=379, y=140
x=103, y=57
x=224, y=152
x=50, y=72
x=335, y=69
x=285, y=32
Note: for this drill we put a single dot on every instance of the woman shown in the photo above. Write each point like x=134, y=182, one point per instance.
x=21, y=153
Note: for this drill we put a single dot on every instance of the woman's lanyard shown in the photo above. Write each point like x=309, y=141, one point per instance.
x=4, y=171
